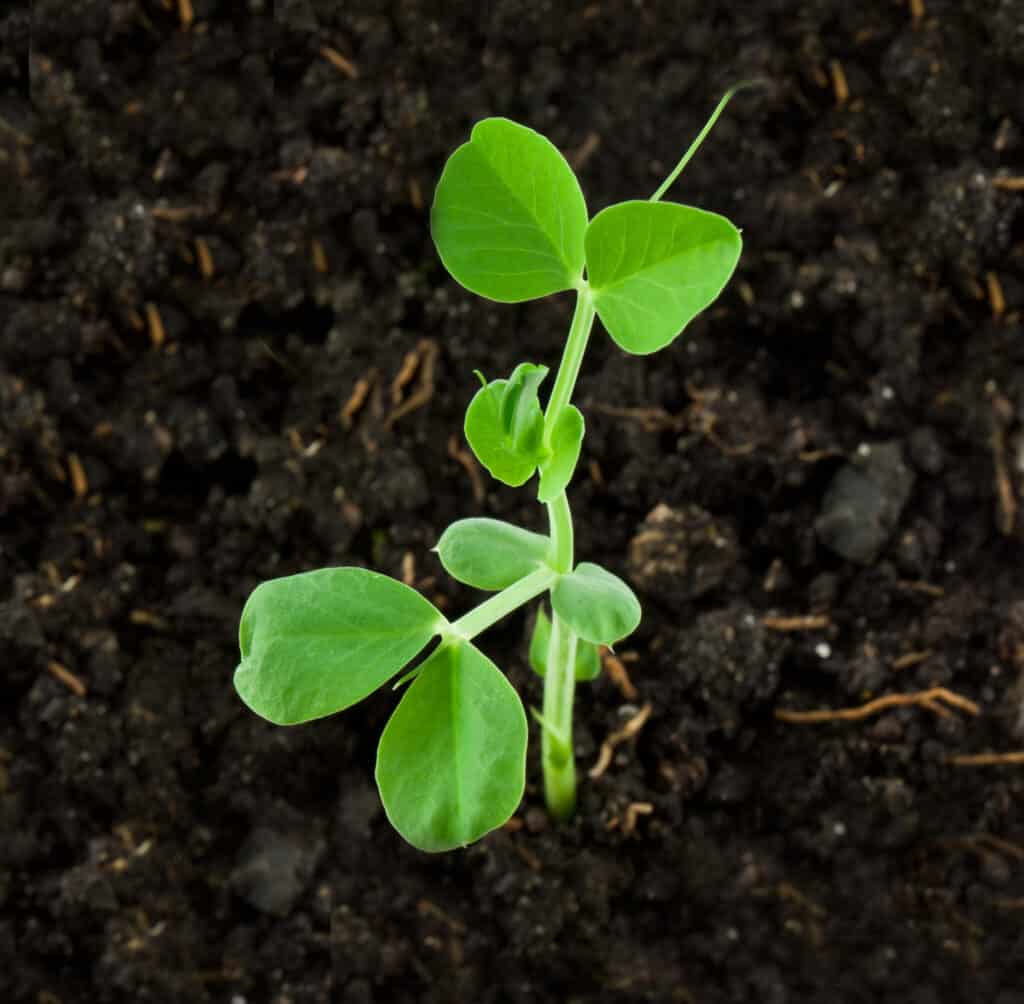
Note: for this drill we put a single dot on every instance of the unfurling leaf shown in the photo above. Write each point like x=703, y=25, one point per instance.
x=505, y=425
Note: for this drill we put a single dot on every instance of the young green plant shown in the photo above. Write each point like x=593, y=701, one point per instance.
x=510, y=224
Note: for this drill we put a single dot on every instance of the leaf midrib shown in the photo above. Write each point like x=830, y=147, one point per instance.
x=531, y=213
x=453, y=704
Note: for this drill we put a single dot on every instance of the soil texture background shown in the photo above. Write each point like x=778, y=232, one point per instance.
x=228, y=352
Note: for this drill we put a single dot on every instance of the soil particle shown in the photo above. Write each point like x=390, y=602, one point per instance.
x=273, y=868
x=683, y=554
x=864, y=501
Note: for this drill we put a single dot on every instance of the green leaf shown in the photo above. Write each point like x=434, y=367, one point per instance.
x=315, y=643
x=509, y=217
x=521, y=413
x=597, y=605
x=451, y=764
x=557, y=470
x=588, y=658
x=654, y=266
x=505, y=425
x=490, y=442
x=489, y=553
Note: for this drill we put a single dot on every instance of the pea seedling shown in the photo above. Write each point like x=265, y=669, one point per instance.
x=510, y=224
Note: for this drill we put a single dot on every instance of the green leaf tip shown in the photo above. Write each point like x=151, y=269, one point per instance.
x=508, y=216
x=451, y=764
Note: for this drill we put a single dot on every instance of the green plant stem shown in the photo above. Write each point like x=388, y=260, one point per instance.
x=500, y=605
x=560, y=522
x=695, y=145
x=557, y=758
x=572, y=359
x=559, y=762
x=560, y=677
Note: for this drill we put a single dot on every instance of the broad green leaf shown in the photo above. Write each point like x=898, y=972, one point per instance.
x=509, y=217
x=505, y=423
x=451, y=764
x=489, y=553
x=566, y=439
x=588, y=659
x=597, y=605
x=321, y=641
x=654, y=266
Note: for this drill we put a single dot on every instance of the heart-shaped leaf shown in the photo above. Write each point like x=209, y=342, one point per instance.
x=490, y=553
x=451, y=764
x=315, y=643
x=653, y=266
x=509, y=216
x=597, y=605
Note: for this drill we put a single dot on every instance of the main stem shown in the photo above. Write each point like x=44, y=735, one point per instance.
x=557, y=755
x=572, y=359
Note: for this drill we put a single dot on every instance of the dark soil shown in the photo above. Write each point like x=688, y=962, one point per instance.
x=211, y=234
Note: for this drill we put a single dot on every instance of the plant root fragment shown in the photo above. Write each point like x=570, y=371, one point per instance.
x=986, y=759
x=909, y=659
x=339, y=62
x=157, y=335
x=65, y=676
x=805, y=622
x=617, y=738
x=616, y=669
x=925, y=699
x=357, y=398
x=627, y=823
x=427, y=352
